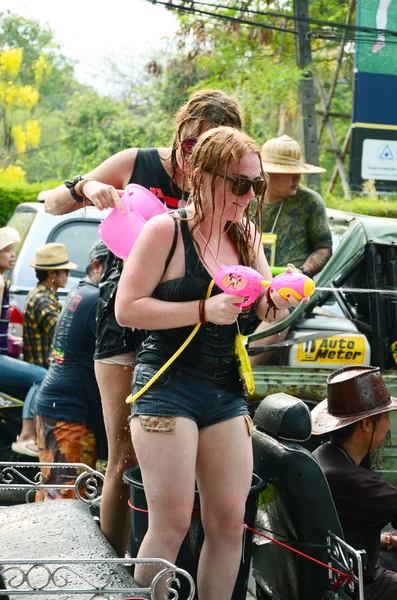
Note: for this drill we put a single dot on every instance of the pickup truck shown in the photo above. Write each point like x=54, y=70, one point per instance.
x=350, y=320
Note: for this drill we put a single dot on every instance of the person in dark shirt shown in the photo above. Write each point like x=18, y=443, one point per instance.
x=68, y=405
x=356, y=412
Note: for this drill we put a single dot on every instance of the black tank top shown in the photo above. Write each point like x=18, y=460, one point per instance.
x=150, y=173
x=210, y=355
x=111, y=339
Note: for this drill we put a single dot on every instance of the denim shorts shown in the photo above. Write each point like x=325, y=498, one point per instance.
x=175, y=394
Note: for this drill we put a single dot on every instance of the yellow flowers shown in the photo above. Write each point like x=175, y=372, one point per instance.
x=33, y=132
x=30, y=135
x=10, y=62
x=41, y=66
x=13, y=96
x=13, y=172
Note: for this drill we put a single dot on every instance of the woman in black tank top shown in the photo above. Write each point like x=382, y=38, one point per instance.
x=164, y=172
x=193, y=422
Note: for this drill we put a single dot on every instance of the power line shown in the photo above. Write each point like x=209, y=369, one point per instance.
x=291, y=17
x=352, y=37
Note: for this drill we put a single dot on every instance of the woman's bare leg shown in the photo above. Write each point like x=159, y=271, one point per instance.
x=168, y=464
x=114, y=383
x=224, y=475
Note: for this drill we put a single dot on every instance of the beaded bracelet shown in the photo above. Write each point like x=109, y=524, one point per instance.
x=388, y=540
x=270, y=303
x=203, y=320
x=81, y=186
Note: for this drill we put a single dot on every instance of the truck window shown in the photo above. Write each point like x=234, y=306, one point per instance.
x=77, y=237
x=22, y=221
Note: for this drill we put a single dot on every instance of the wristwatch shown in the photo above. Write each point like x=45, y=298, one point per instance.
x=304, y=272
x=70, y=185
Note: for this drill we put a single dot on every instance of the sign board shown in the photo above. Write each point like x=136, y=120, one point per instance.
x=379, y=160
x=373, y=153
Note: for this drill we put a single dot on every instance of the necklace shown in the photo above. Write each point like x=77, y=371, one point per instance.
x=209, y=248
x=277, y=215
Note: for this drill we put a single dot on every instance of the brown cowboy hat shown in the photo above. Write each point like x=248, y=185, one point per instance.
x=354, y=393
x=52, y=257
x=284, y=155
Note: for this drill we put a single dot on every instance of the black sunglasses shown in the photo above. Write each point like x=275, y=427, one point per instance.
x=242, y=185
x=187, y=145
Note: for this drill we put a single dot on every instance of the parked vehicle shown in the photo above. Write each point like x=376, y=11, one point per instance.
x=360, y=280
x=77, y=231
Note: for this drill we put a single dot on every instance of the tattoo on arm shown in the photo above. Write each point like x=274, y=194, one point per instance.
x=316, y=261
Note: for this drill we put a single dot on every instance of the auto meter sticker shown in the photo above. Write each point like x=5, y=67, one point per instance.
x=335, y=349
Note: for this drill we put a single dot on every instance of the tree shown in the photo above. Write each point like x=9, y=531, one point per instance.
x=256, y=63
x=35, y=82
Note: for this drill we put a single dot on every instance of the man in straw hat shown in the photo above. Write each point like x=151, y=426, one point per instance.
x=294, y=221
x=42, y=305
x=292, y=212
x=41, y=314
x=356, y=414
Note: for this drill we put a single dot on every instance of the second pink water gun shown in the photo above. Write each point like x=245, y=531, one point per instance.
x=248, y=283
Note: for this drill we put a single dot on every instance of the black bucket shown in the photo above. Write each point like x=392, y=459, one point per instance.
x=189, y=553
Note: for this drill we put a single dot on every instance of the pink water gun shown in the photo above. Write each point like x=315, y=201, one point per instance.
x=248, y=283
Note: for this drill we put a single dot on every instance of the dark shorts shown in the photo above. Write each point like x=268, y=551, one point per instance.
x=175, y=394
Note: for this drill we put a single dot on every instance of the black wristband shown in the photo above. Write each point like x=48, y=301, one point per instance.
x=70, y=185
x=305, y=272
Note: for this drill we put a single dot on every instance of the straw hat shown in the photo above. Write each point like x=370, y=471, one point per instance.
x=8, y=236
x=354, y=393
x=284, y=155
x=52, y=257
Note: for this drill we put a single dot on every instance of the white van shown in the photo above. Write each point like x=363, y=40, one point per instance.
x=77, y=231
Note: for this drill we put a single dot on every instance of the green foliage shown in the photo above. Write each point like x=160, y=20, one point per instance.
x=35, y=40
x=258, y=65
x=55, y=83
x=98, y=127
x=386, y=207
x=12, y=194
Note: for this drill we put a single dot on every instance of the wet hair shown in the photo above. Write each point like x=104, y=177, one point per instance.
x=214, y=151
x=213, y=106
x=344, y=433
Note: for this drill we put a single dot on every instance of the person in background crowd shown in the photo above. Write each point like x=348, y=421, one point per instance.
x=356, y=413
x=14, y=373
x=69, y=421
x=41, y=313
x=193, y=423
x=164, y=172
x=295, y=216
x=293, y=212
x=42, y=307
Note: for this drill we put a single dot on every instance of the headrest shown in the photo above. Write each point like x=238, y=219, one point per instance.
x=283, y=416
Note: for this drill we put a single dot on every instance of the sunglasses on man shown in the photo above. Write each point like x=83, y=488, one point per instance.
x=242, y=185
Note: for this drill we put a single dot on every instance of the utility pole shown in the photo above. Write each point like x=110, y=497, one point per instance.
x=307, y=90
